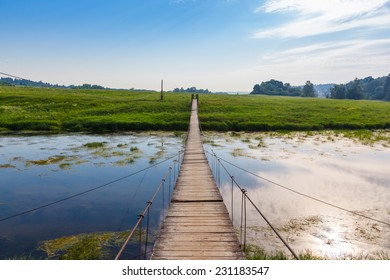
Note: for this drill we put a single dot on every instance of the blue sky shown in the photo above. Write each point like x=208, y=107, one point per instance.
x=222, y=45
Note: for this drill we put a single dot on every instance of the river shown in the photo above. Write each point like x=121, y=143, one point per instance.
x=345, y=172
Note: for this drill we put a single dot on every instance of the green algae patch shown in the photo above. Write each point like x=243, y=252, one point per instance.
x=48, y=161
x=93, y=246
x=134, y=149
x=94, y=145
x=7, y=166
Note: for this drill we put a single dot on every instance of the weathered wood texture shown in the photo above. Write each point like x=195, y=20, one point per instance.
x=197, y=225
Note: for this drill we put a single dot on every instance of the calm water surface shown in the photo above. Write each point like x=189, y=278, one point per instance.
x=36, y=170
x=335, y=169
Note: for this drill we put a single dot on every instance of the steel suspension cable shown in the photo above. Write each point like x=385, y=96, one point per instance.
x=12, y=76
x=132, y=198
x=85, y=192
x=141, y=216
x=258, y=210
x=305, y=195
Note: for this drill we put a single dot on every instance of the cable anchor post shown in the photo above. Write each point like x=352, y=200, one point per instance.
x=140, y=217
x=149, y=203
x=243, y=220
x=163, y=202
x=232, y=202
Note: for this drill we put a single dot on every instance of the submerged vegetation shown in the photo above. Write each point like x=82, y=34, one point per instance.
x=92, y=246
x=99, y=153
x=95, y=144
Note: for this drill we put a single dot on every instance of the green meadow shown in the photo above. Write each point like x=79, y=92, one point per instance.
x=272, y=113
x=63, y=110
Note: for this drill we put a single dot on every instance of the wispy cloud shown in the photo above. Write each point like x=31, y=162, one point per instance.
x=315, y=17
x=332, y=51
x=328, y=61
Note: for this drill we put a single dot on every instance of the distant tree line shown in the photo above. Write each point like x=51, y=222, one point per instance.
x=86, y=86
x=29, y=83
x=191, y=90
x=5, y=83
x=275, y=87
x=367, y=88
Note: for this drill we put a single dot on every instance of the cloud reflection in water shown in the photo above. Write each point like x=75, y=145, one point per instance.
x=350, y=175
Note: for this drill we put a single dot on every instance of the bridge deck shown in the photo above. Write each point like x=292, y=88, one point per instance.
x=197, y=225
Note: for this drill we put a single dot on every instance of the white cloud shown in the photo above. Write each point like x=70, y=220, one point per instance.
x=331, y=50
x=316, y=17
x=328, y=62
x=363, y=50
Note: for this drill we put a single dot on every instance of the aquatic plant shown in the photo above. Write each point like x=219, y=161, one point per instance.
x=7, y=165
x=92, y=246
x=95, y=144
x=134, y=149
x=49, y=160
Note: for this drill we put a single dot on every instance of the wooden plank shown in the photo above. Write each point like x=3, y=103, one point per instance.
x=183, y=205
x=195, y=219
x=196, y=254
x=197, y=225
x=167, y=258
x=198, y=238
x=203, y=246
x=210, y=208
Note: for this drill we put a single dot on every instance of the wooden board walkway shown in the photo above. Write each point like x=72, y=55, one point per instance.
x=197, y=225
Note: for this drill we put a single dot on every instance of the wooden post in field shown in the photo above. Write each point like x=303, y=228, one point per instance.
x=162, y=90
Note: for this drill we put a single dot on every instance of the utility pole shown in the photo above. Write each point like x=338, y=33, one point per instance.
x=162, y=90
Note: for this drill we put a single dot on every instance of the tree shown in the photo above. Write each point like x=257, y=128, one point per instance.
x=191, y=90
x=275, y=87
x=256, y=89
x=386, y=89
x=355, y=90
x=378, y=93
x=338, y=92
x=308, y=90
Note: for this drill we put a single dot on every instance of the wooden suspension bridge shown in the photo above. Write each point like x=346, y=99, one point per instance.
x=197, y=225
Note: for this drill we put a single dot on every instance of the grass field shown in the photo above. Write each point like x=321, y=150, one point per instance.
x=268, y=113
x=61, y=110
x=58, y=110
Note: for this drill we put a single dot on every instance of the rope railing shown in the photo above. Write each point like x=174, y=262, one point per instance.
x=307, y=196
x=243, y=224
x=50, y=204
x=216, y=160
x=146, y=211
x=244, y=198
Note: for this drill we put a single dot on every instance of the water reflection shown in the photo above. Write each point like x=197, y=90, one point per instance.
x=40, y=169
x=344, y=173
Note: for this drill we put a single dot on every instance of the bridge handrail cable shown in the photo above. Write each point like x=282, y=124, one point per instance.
x=245, y=195
x=86, y=191
x=305, y=195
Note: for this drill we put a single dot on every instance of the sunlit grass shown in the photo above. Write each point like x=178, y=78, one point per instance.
x=62, y=110
x=254, y=252
x=269, y=113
